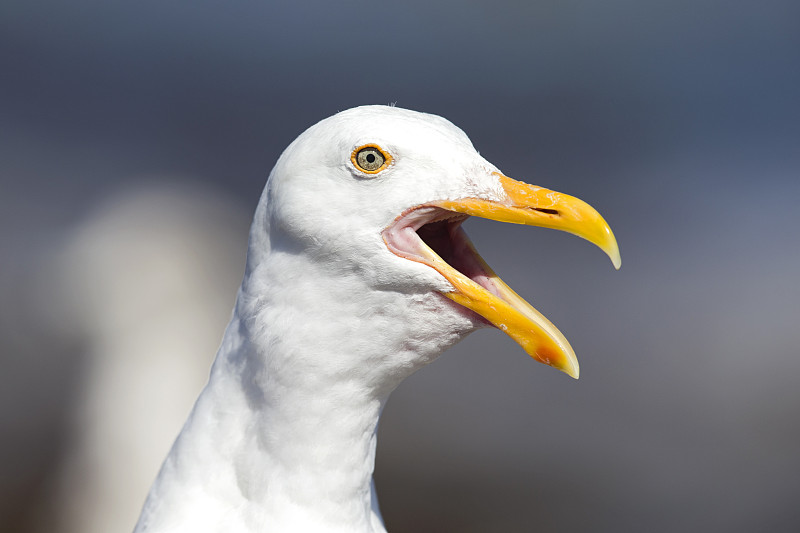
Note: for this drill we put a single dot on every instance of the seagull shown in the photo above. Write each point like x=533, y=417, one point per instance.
x=358, y=274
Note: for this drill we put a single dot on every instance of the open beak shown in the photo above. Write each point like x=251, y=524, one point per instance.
x=432, y=234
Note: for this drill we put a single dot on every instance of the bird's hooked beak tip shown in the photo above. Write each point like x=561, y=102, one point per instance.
x=562, y=212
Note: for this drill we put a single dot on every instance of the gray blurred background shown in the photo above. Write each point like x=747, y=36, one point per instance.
x=135, y=139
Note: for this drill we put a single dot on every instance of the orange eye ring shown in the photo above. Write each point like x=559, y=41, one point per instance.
x=370, y=159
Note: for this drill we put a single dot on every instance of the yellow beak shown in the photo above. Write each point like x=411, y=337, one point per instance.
x=533, y=206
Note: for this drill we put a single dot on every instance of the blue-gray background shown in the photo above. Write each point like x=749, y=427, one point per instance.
x=678, y=120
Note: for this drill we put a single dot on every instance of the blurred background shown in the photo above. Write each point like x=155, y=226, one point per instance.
x=135, y=139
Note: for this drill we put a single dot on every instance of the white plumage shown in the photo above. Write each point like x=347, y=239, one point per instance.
x=357, y=275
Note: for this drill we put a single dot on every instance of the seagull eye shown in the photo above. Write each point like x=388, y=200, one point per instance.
x=370, y=159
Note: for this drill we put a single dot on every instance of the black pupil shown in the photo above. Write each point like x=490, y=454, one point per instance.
x=371, y=158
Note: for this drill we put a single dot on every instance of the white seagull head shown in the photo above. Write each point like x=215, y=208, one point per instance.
x=373, y=199
x=358, y=273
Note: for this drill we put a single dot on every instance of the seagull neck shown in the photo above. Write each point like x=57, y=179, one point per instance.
x=284, y=434
x=295, y=445
x=309, y=445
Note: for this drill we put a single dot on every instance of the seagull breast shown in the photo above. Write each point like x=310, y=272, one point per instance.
x=358, y=274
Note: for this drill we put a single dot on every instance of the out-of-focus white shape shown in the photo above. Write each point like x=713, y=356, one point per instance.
x=148, y=280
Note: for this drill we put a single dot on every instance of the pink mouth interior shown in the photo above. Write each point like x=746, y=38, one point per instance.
x=441, y=230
